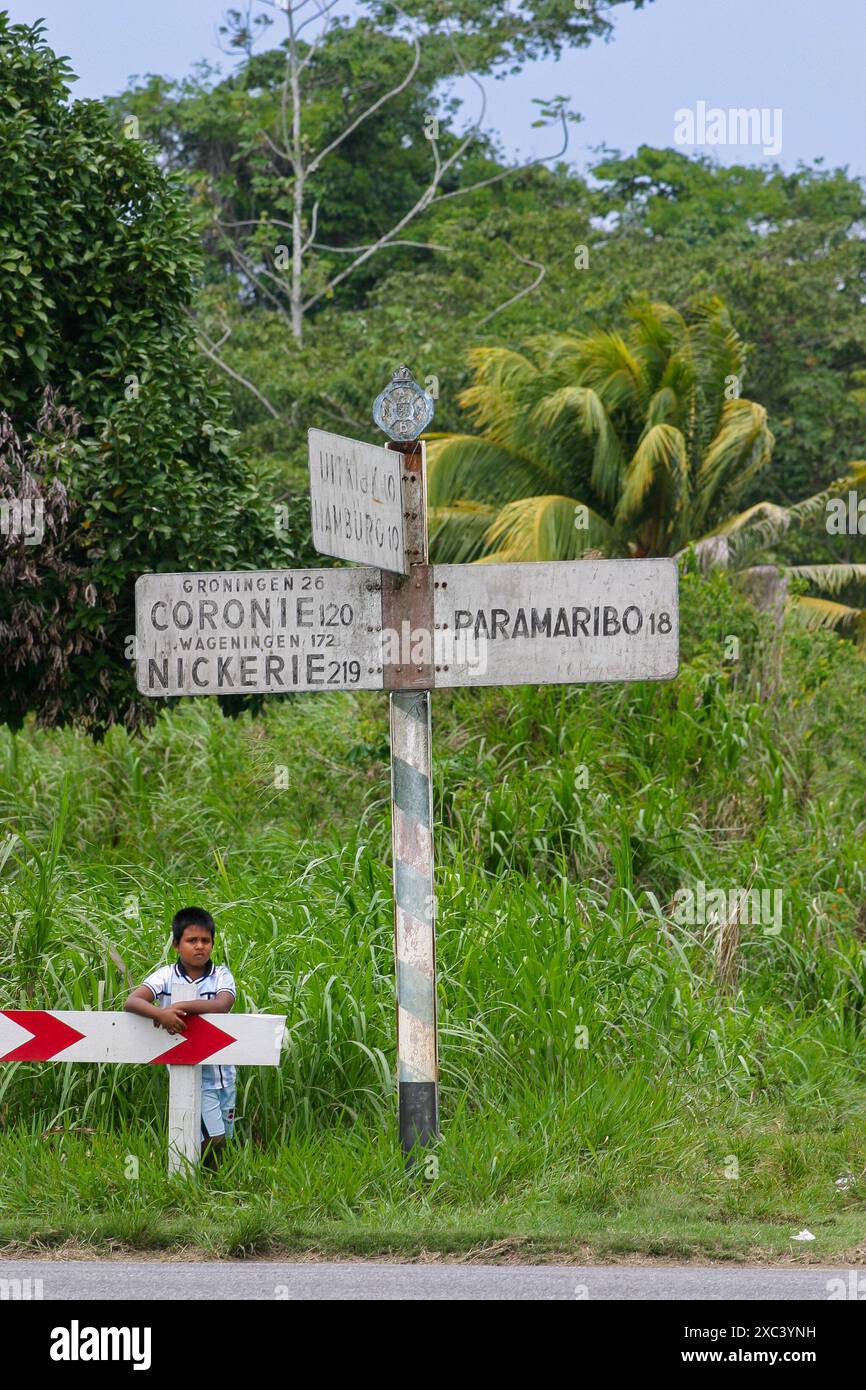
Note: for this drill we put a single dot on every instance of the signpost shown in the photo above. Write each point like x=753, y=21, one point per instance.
x=558, y=621
x=356, y=501
x=398, y=623
x=258, y=632
x=38, y=1035
x=269, y=632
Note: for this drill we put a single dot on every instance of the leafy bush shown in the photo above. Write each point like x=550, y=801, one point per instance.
x=97, y=274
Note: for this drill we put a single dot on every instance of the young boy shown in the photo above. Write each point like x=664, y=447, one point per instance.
x=193, y=934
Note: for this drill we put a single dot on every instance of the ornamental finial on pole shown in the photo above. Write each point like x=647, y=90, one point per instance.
x=404, y=409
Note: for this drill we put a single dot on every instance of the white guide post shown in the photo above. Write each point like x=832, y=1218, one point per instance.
x=184, y=1102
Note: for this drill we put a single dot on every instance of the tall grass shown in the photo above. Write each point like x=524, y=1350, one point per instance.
x=573, y=1008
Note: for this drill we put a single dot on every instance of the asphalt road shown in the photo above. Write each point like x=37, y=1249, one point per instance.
x=250, y=1279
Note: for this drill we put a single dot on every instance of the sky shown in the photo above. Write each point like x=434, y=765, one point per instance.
x=798, y=63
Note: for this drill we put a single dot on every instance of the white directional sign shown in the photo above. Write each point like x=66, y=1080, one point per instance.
x=557, y=621
x=273, y=631
x=356, y=501
x=60, y=1035
x=267, y=631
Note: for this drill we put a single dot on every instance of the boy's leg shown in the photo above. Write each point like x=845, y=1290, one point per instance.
x=228, y=1096
x=211, y=1150
x=213, y=1130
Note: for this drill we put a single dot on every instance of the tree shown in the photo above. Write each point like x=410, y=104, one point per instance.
x=321, y=155
x=44, y=573
x=300, y=273
x=783, y=251
x=738, y=542
x=786, y=253
x=97, y=275
x=630, y=443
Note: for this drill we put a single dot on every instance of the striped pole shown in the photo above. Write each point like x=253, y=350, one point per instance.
x=414, y=917
x=407, y=609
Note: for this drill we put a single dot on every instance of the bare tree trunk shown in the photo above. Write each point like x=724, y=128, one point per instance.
x=768, y=590
x=290, y=299
x=296, y=301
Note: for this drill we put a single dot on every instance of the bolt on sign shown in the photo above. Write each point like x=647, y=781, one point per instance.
x=398, y=623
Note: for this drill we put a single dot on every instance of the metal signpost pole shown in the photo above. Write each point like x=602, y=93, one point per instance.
x=412, y=821
x=403, y=411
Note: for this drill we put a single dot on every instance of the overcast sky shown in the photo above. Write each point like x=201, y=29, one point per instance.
x=800, y=57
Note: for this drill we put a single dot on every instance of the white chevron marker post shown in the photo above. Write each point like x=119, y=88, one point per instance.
x=59, y=1035
x=184, y=1099
x=392, y=621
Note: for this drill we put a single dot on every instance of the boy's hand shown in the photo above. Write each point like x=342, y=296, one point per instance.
x=172, y=1019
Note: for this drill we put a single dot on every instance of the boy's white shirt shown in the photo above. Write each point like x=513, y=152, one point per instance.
x=219, y=978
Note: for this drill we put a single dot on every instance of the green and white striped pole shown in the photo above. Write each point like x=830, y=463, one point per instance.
x=404, y=411
x=414, y=917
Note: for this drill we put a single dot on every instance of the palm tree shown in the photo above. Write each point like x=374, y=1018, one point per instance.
x=741, y=539
x=628, y=444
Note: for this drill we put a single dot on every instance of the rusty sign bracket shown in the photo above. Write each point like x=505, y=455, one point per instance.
x=407, y=620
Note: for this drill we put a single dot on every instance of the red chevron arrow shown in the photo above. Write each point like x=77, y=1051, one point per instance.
x=201, y=1040
x=50, y=1035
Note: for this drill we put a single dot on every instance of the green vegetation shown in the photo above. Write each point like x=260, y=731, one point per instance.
x=634, y=443
x=613, y=1080
x=97, y=276
x=555, y=915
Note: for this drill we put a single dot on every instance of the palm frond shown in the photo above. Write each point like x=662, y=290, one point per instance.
x=831, y=578
x=679, y=377
x=560, y=355
x=657, y=335
x=764, y=523
x=814, y=506
x=740, y=449
x=457, y=531
x=822, y=613
x=496, y=399
x=543, y=528
x=771, y=519
x=585, y=405
x=664, y=407
x=660, y=465
x=659, y=321
x=614, y=371
x=719, y=356
x=467, y=467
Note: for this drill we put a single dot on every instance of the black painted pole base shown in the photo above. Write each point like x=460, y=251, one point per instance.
x=419, y=1117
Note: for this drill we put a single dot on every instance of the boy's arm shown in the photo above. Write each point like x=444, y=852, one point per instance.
x=140, y=1002
x=170, y=1018
x=221, y=1003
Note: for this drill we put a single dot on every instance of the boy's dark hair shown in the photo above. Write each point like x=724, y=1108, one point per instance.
x=191, y=917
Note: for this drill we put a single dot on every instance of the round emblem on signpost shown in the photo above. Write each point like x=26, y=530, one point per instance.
x=404, y=409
